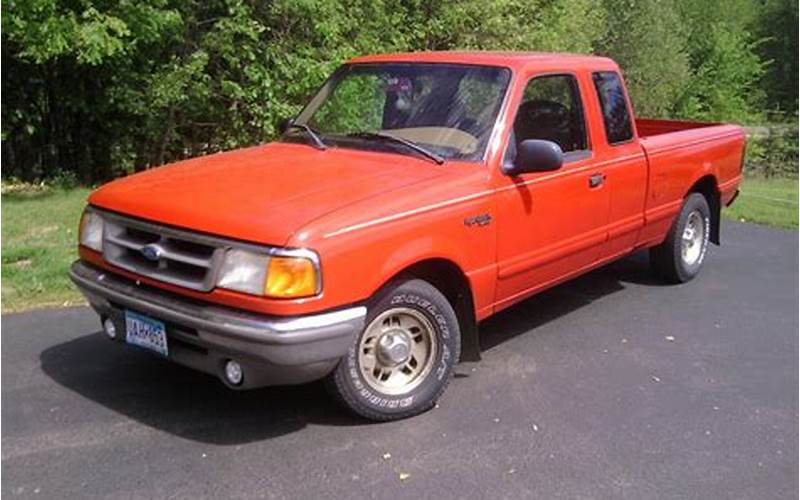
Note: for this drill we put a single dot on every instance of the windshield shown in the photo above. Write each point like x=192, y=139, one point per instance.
x=449, y=110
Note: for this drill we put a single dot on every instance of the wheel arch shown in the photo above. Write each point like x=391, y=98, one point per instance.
x=709, y=188
x=453, y=283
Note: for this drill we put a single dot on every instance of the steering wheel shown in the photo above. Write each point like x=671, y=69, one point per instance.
x=544, y=119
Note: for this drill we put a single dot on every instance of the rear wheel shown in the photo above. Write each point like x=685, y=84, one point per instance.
x=403, y=360
x=679, y=258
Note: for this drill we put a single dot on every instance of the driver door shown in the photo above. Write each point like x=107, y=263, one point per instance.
x=551, y=225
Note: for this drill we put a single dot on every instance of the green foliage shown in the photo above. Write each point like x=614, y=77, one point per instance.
x=772, y=151
x=645, y=38
x=726, y=83
x=64, y=179
x=50, y=32
x=100, y=88
x=355, y=104
x=727, y=70
x=554, y=25
x=777, y=26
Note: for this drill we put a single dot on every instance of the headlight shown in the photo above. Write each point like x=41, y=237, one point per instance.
x=90, y=233
x=243, y=271
x=277, y=275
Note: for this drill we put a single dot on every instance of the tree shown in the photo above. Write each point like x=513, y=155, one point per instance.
x=63, y=64
x=777, y=24
x=725, y=84
x=100, y=88
x=646, y=39
x=726, y=67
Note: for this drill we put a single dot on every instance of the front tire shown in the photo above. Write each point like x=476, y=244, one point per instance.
x=679, y=258
x=403, y=360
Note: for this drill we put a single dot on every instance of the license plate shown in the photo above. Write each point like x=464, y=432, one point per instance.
x=145, y=332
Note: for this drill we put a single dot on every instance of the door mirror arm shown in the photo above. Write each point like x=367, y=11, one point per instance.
x=284, y=124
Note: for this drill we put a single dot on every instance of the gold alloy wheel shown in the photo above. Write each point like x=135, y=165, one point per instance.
x=397, y=350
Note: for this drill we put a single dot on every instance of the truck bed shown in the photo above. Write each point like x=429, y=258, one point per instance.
x=651, y=127
x=679, y=153
x=701, y=141
x=689, y=143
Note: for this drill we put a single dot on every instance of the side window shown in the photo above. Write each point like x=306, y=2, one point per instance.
x=551, y=110
x=616, y=118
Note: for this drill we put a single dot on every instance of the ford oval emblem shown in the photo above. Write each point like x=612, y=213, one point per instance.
x=151, y=252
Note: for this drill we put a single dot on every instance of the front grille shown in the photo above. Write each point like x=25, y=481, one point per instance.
x=163, y=253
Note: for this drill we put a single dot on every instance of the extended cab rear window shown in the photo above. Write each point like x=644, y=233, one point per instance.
x=616, y=118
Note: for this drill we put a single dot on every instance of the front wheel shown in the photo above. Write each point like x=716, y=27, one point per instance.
x=403, y=360
x=679, y=258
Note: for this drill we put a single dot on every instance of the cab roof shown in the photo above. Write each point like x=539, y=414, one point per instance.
x=513, y=60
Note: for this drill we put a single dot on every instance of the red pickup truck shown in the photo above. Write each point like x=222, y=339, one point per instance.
x=414, y=196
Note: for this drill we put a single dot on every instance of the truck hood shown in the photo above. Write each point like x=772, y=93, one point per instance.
x=262, y=194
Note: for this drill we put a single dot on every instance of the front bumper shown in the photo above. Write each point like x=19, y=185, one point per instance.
x=272, y=350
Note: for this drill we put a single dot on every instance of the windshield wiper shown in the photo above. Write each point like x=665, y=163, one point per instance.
x=308, y=130
x=399, y=140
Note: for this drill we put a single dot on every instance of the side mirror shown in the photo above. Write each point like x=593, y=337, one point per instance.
x=535, y=155
x=284, y=125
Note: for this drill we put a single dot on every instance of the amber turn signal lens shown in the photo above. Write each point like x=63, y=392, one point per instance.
x=290, y=277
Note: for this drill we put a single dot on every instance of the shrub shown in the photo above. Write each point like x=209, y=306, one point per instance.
x=772, y=151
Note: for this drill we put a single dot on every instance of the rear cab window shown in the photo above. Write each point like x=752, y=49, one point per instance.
x=614, y=106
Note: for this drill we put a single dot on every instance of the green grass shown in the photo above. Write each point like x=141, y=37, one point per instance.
x=39, y=243
x=39, y=233
x=766, y=201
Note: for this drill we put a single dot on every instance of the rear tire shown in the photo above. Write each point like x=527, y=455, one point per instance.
x=403, y=360
x=679, y=258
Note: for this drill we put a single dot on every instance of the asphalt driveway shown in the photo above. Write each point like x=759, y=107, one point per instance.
x=612, y=386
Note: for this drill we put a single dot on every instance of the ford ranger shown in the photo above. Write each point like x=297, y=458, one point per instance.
x=414, y=196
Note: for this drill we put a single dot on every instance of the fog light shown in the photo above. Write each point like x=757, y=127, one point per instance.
x=110, y=328
x=233, y=372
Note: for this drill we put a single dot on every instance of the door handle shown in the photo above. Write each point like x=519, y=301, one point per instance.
x=596, y=180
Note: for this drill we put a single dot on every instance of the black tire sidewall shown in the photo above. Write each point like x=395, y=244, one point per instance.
x=694, y=202
x=348, y=377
